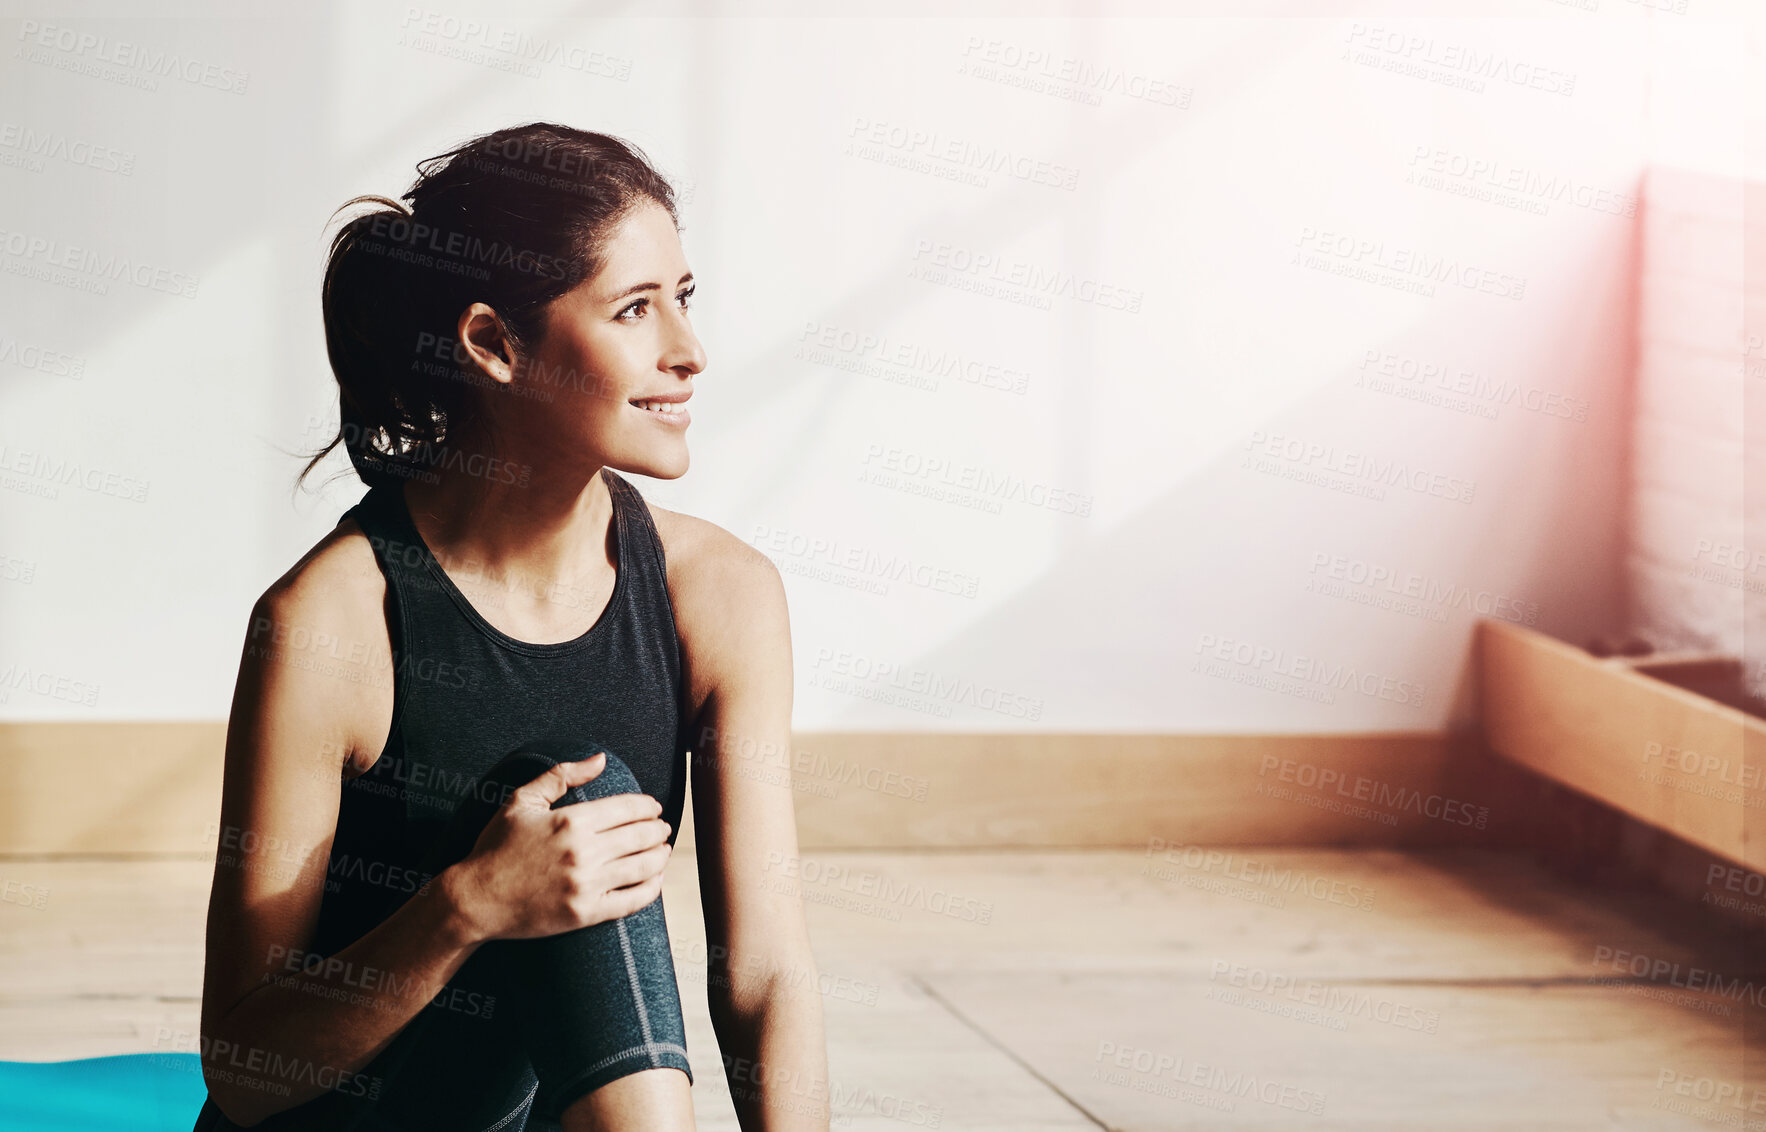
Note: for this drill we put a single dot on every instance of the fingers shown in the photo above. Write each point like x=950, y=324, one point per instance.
x=601, y=814
x=638, y=868
x=549, y=785
x=634, y=837
x=589, y=767
x=625, y=901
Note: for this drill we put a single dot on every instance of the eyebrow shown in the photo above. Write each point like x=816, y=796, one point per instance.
x=629, y=291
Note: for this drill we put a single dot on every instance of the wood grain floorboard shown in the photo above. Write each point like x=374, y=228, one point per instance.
x=1002, y=990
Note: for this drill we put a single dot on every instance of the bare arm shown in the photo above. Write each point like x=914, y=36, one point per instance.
x=272, y=1035
x=279, y=1029
x=763, y=992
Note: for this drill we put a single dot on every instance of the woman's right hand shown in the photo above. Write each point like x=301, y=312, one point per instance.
x=536, y=871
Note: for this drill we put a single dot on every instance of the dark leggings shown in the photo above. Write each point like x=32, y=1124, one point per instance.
x=526, y=1027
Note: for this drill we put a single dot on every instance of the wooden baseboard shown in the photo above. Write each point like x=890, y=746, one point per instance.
x=128, y=788
x=145, y=788
x=1088, y=789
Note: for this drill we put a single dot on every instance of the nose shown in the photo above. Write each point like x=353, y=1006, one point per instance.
x=683, y=351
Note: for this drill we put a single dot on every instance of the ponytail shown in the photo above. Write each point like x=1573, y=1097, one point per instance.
x=513, y=219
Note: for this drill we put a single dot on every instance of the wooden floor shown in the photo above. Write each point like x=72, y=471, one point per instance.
x=1106, y=989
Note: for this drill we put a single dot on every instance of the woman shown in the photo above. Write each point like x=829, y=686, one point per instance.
x=456, y=759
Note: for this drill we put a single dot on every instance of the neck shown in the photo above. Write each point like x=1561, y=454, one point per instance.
x=537, y=525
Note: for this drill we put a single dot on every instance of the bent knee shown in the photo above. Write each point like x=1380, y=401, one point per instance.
x=615, y=778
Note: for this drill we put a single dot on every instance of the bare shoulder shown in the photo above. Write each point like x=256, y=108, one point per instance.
x=710, y=563
x=729, y=604
x=335, y=581
x=327, y=613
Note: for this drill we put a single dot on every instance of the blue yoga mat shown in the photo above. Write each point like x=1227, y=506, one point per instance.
x=136, y=1092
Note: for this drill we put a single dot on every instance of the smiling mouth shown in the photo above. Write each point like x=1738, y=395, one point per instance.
x=670, y=414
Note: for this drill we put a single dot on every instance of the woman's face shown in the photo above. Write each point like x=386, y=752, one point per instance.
x=617, y=340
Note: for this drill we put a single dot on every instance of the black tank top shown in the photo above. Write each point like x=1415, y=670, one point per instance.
x=465, y=694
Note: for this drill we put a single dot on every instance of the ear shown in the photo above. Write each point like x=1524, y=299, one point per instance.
x=485, y=341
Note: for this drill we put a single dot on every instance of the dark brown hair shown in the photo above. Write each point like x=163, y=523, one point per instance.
x=513, y=219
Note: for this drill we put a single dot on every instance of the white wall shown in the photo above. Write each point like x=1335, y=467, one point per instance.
x=1694, y=576
x=1253, y=188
